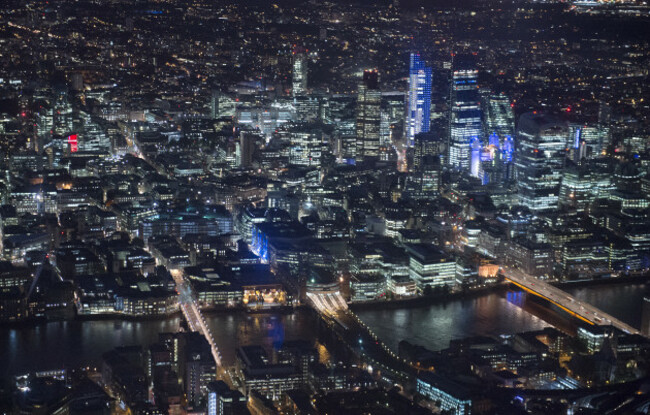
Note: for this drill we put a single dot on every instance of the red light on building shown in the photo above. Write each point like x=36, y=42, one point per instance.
x=72, y=140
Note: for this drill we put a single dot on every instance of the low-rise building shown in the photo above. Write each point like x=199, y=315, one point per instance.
x=429, y=266
x=450, y=395
x=365, y=287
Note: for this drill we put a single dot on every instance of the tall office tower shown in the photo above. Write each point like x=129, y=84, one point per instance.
x=342, y=113
x=368, y=116
x=426, y=145
x=466, y=130
x=419, y=109
x=588, y=141
x=427, y=163
x=500, y=119
x=62, y=111
x=299, y=85
x=540, y=155
x=245, y=149
x=307, y=144
x=45, y=124
x=214, y=104
x=604, y=113
x=496, y=155
x=577, y=189
x=197, y=367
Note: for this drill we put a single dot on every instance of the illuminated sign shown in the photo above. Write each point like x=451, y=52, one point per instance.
x=72, y=140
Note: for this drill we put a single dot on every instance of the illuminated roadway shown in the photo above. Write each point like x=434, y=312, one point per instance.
x=193, y=316
x=584, y=311
x=328, y=303
x=360, y=338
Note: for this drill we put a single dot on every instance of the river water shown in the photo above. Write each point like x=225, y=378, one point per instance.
x=81, y=343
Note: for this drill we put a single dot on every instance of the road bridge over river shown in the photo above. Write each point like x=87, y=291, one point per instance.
x=571, y=305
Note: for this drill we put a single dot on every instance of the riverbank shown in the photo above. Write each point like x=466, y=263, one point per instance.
x=36, y=321
x=424, y=301
x=626, y=279
x=125, y=317
x=288, y=309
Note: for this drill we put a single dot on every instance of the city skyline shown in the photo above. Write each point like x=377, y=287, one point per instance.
x=304, y=207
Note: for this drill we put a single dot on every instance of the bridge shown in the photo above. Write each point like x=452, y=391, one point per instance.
x=192, y=313
x=328, y=303
x=354, y=334
x=574, y=307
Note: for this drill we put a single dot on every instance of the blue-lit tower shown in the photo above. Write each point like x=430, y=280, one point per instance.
x=419, y=109
x=496, y=158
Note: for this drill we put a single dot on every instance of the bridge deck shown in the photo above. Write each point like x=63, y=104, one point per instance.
x=193, y=316
x=584, y=311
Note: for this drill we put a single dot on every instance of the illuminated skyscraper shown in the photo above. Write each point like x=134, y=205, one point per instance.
x=427, y=163
x=419, y=109
x=466, y=130
x=496, y=155
x=368, y=116
x=577, y=190
x=500, y=119
x=541, y=150
x=588, y=141
x=299, y=85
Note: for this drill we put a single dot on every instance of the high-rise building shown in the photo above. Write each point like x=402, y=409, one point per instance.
x=496, y=155
x=245, y=149
x=428, y=154
x=299, y=85
x=426, y=145
x=214, y=104
x=197, y=367
x=341, y=111
x=500, y=119
x=419, y=108
x=307, y=144
x=368, y=116
x=541, y=149
x=466, y=130
x=588, y=141
x=577, y=189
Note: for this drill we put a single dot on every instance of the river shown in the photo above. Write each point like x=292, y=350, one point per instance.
x=81, y=343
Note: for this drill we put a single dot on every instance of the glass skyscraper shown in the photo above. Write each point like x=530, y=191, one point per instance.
x=466, y=129
x=299, y=76
x=500, y=119
x=541, y=150
x=368, y=116
x=419, y=109
x=497, y=153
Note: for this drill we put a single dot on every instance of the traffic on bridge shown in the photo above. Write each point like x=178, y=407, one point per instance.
x=583, y=311
x=192, y=313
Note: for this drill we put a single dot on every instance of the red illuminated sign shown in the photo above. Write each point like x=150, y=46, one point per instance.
x=72, y=140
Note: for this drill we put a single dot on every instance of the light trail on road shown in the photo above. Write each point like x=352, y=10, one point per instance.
x=584, y=311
